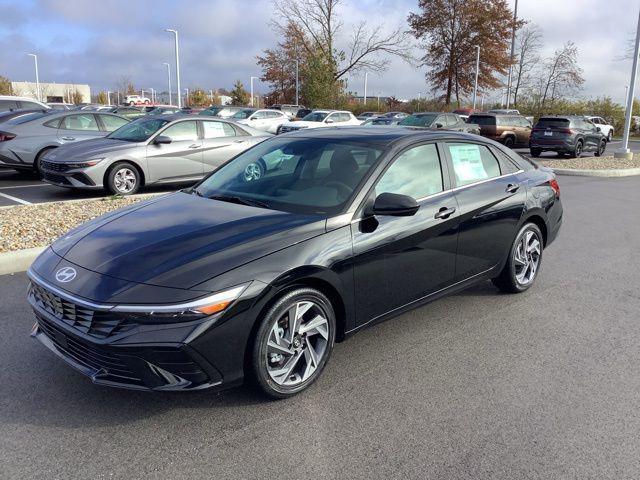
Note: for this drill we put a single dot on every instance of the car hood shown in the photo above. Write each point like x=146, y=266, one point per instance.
x=92, y=148
x=181, y=240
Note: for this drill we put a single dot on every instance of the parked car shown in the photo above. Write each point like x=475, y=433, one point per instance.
x=398, y=115
x=571, y=135
x=136, y=99
x=149, y=150
x=321, y=118
x=61, y=106
x=303, y=112
x=288, y=109
x=96, y=107
x=464, y=113
x=605, y=127
x=444, y=121
x=11, y=103
x=511, y=130
x=256, y=278
x=505, y=111
x=381, y=121
x=222, y=111
x=128, y=112
x=165, y=110
x=8, y=115
x=263, y=119
x=24, y=140
x=365, y=115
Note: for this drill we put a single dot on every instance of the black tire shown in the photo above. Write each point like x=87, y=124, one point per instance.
x=601, y=148
x=276, y=313
x=509, y=142
x=37, y=168
x=577, y=152
x=507, y=280
x=111, y=181
x=535, y=152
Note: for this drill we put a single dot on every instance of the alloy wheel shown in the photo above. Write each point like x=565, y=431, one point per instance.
x=125, y=180
x=297, y=343
x=252, y=172
x=527, y=257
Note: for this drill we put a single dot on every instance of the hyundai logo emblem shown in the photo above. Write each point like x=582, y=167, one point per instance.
x=66, y=274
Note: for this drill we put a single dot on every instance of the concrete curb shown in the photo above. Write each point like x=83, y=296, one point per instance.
x=617, y=172
x=19, y=260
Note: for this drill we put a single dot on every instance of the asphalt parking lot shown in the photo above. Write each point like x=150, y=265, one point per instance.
x=480, y=385
x=22, y=189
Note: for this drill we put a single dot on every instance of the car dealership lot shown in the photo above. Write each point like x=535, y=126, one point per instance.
x=478, y=385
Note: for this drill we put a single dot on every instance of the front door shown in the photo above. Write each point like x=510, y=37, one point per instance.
x=398, y=260
x=180, y=160
x=491, y=195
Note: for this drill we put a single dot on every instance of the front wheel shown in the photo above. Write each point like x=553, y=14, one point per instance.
x=523, y=264
x=123, y=179
x=294, y=343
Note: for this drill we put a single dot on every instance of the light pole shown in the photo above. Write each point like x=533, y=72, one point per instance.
x=108, y=98
x=186, y=97
x=297, y=82
x=153, y=95
x=366, y=77
x=626, y=92
x=175, y=33
x=211, y=94
x=475, y=84
x=251, y=81
x=35, y=59
x=513, y=45
x=623, y=151
x=169, y=79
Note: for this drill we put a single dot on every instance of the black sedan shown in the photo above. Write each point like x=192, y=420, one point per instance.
x=255, y=276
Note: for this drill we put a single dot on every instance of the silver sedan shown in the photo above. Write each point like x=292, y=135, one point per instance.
x=26, y=139
x=150, y=150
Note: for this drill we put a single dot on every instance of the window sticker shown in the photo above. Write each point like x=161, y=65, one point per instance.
x=467, y=163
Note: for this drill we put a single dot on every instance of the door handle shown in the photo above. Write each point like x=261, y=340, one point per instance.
x=512, y=188
x=68, y=138
x=195, y=145
x=445, y=212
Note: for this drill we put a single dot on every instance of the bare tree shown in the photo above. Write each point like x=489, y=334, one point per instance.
x=529, y=43
x=561, y=73
x=319, y=21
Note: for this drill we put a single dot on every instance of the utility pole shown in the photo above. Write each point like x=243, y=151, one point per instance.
x=513, y=46
x=366, y=77
x=623, y=151
x=177, y=50
x=35, y=59
x=475, y=84
x=169, y=80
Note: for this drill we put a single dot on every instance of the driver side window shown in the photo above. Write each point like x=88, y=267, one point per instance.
x=416, y=172
x=182, y=131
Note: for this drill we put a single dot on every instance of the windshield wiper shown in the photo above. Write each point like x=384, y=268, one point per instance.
x=239, y=200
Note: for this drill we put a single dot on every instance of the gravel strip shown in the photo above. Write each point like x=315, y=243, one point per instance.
x=36, y=225
x=591, y=163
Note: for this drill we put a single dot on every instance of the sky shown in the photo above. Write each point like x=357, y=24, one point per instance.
x=99, y=42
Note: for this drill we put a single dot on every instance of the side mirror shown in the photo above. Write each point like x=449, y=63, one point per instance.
x=438, y=125
x=328, y=120
x=394, y=204
x=598, y=129
x=162, y=140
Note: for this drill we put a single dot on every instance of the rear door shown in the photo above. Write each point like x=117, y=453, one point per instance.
x=179, y=160
x=79, y=126
x=491, y=197
x=398, y=260
x=592, y=135
x=221, y=142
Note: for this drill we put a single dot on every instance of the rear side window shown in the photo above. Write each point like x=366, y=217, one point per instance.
x=482, y=120
x=472, y=163
x=217, y=130
x=85, y=121
x=6, y=105
x=416, y=172
x=553, y=123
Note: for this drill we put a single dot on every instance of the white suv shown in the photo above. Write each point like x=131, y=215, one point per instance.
x=321, y=118
x=263, y=119
x=605, y=128
x=136, y=99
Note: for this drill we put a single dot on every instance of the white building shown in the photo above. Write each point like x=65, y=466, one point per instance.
x=52, y=92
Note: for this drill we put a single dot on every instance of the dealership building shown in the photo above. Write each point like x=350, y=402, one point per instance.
x=52, y=92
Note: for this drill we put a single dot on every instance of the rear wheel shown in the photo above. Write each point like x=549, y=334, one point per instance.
x=509, y=142
x=601, y=147
x=535, y=152
x=37, y=163
x=577, y=152
x=123, y=179
x=524, y=261
x=293, y=343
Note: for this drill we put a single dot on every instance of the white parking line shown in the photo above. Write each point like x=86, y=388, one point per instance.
x=24, y=186
x=15, y=199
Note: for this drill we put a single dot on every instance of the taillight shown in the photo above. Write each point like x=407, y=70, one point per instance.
x=4, y=136
x=556, y=188
x=566, y=130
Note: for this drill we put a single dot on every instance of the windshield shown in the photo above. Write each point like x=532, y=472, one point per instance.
x=242, y=114
x=315, y=117
x=418, y=120
x=138, y=130
x=298, y=175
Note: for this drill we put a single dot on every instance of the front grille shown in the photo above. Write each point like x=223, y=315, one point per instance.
x=55, y=167
x=52, y=177
x=108, y=365
x=96, y=323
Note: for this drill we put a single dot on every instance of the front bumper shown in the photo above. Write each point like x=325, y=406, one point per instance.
x=58, y=174
x=121, y=358
x=552, y=145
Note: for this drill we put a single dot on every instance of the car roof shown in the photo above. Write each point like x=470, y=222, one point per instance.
x=378, y=134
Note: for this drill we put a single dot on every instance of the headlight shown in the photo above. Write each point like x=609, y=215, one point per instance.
x=88, y=163
x=182, y=312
